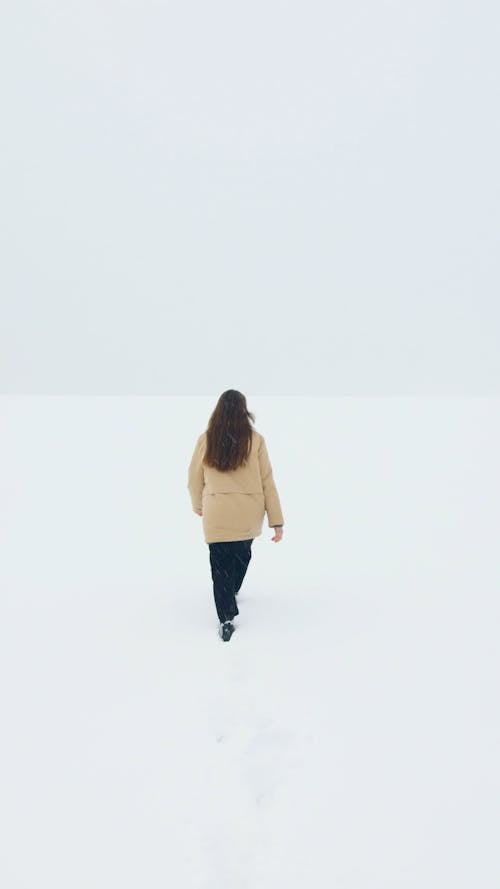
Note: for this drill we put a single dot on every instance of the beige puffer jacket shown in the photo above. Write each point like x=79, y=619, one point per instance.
x=233, y=503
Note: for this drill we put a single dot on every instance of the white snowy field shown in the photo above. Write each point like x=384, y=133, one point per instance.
x=349, y=733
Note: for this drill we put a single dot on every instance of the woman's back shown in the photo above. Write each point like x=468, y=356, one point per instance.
x=245, y=479
x=233, y=503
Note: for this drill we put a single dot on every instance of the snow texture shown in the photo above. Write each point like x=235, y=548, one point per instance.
x=347, y=735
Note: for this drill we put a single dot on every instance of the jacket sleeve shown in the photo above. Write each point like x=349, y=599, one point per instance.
x=196, y=480
x=272, y=500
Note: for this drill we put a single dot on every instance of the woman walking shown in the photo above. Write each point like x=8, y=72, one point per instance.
x=230, y=481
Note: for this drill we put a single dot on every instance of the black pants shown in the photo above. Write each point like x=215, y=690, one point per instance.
x=228, y=562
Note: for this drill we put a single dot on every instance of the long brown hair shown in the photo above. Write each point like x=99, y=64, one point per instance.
x=229, y=432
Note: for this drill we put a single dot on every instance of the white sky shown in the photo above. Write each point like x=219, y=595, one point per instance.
x=283, y=198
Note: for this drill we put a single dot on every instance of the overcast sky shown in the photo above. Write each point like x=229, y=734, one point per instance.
x=287, y=198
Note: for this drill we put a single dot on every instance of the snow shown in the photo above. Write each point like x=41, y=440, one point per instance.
x=347, y=735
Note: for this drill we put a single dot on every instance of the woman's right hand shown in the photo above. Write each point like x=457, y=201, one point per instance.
x=278, y=534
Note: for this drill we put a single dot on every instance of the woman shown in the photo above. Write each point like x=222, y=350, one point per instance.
x=230, y=481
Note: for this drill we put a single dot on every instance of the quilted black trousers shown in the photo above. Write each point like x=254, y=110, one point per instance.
x=228, y=562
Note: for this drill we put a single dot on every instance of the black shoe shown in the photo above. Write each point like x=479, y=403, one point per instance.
x=227, y=630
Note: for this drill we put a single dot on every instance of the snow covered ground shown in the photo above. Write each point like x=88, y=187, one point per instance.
x=347, y=736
